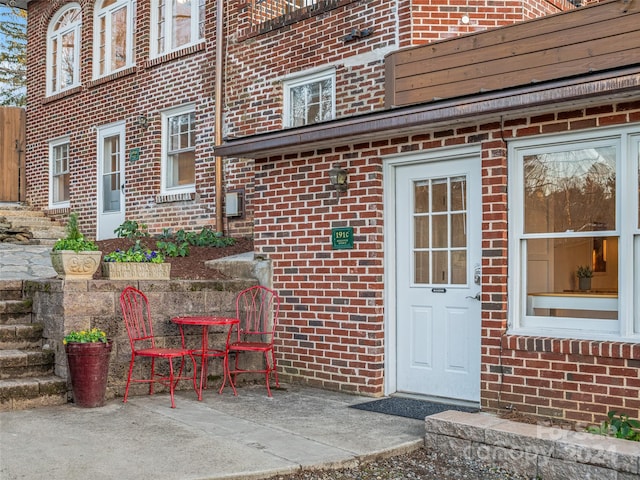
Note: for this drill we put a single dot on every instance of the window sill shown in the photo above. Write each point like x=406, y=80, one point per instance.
x=112, y=76
x=58, y=210
x=175, y=197
x=183, y=52
x=568, y=346
x=67, y=93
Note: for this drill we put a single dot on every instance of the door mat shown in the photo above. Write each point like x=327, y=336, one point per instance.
x=409, y=407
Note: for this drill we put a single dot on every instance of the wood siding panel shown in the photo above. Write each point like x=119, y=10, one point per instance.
x=582, y=41
x=12, y=129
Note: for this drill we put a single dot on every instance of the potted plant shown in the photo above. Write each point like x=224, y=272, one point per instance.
x=584, y=274
x=136, y=263
x=88, y=353
x=75, y=257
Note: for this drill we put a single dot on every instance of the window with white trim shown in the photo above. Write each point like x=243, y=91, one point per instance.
x=176, y=24
x=59, y=176
x=309, y=99
x=179, y=150
x=575, y=230
x=63, y=49
x=114, y=22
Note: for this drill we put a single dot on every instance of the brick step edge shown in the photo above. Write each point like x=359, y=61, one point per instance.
x=32, y=392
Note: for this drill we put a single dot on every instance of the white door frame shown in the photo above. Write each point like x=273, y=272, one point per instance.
x=103, y=132
x=389, y=186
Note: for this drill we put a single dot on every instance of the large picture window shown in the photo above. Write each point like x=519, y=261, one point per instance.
x=309, y=99
x=59, y=177
x=179, y=151
x=176, y=24
x=113, y=30
x=63, y=49
x=573, y=229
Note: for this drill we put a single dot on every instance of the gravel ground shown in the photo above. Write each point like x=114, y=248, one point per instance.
x=419, y=464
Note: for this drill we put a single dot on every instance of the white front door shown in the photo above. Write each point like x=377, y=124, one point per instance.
x=111, y=155
x=438, y=272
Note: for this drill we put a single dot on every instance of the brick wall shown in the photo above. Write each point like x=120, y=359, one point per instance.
x=148, y=88
x=332, y=317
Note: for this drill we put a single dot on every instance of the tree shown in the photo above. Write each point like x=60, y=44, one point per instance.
x=13, y=57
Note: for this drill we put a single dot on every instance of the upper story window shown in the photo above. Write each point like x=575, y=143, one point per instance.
x=59, y=176
x=309, y=99
x=63, y=49
x=176, y=24
x=179, y=150
x=263, y=10
x=113, y=29
x=575, y=254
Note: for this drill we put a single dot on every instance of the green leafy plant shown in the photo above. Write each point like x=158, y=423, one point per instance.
x=132, y=229
x=85, y=336
x=74, y=240
x=171, y=249
x=584, y=271
x=137, y=253
x=618, y=426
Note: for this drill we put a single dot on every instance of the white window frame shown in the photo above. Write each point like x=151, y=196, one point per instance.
x=627, y=327
x=107, y=13
x=298, y=81
x=52, y=146
x=76, y=28
x=196, y=27
x=165, y=189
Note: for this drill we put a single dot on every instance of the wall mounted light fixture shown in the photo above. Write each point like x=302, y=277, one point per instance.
x=338, y=178
x=142, y=121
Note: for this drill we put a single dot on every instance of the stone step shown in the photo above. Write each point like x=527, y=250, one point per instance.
x=50, y=232
x=10, y=290
x=8, y=210
x=29, y=221
x=21, y=337
x=13, y=312
x=32, y=392
x=26, y=363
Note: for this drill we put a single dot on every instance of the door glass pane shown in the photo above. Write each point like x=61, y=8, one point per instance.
x=422, y=267
x=439, y=195
x=422, y=232
x=440, y=231
x=459, y=267
x=570, y=191
x=111, y=174
x=421, y=197
x=440, y=267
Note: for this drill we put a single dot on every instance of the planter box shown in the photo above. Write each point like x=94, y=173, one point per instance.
x=136, y=271
x=72, y=265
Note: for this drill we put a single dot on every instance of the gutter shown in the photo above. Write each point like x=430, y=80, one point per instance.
x=219, y=174
x=516, y=102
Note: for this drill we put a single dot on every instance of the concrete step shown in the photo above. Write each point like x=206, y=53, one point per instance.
x=26, y=363
x=23, y=393
x=13, y=312
x=21, y=337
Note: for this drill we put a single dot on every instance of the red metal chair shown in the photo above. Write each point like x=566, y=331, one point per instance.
x=257, y=308
x=137, y=318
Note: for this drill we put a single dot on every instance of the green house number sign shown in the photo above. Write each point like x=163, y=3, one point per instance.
x=342, y=238
x=134, y=155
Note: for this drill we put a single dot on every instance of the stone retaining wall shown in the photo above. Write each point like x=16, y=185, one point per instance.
x=534, y=451
x=62, y=306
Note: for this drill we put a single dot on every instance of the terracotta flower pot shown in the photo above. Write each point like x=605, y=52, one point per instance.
x=88, y=368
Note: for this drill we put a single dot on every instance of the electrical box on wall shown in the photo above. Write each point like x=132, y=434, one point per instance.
x=234, y=203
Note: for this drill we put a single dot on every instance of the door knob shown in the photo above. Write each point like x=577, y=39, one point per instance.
x=476, y=297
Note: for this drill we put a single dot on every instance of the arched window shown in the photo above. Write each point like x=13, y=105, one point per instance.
x=63, y=49
x=113, y=29
x=175, y=24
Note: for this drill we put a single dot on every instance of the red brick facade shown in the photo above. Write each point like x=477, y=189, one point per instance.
x=332, y=332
